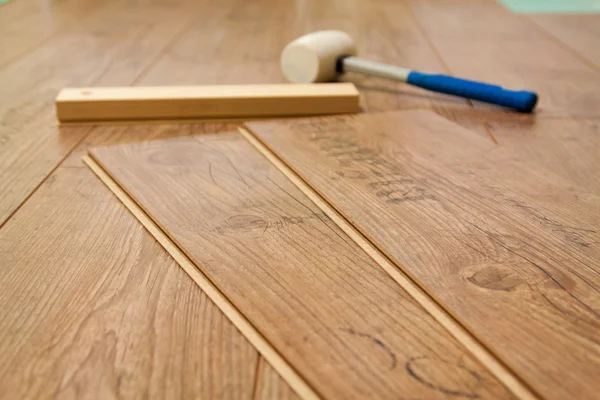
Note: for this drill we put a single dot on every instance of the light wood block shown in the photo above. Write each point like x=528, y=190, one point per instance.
x=212, y=101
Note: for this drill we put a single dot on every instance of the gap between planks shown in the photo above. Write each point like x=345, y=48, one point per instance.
x=558, y=41
x=433, y=47
x=58, y=164
x=279, y=364
x=460, y=333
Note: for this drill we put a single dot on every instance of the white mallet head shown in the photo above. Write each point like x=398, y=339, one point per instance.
x=314, y=57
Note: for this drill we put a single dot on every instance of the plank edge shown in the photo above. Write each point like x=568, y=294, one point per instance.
x=266, y=350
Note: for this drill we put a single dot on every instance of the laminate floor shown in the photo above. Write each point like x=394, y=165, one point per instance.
x=94, y=307
x=316, y=297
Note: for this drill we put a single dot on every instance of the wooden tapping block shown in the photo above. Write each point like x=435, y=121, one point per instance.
x=195, y=102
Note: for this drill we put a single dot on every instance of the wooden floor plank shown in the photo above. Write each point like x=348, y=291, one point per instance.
x=94, y=307
x=268, y=384
x=478, y=120
x=454, y=211
x=109, y=135
x=484, y=41
x=114, y=56
x=581, y=32
x=568, y=148
x=228, y=309
x=214, y=372
x=108, y=54
x=24, y=24
x=337, y=318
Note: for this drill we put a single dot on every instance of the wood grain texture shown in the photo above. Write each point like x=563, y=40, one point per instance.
x=339, y=320
x=484, y=41
x=568, y=148
x=270, y=386
x=25, y=24
x=108, y=135
x=31, y=144
x=114, y=47
x=479, y=120
x=93, y=307
x=483, y=233
x=513, y=383
x=229, y=310
x=580, y=32
x=209, y=101
x=45, y=46
x=267, y=383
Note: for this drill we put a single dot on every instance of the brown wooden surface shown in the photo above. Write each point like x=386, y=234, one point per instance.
x=475, y=227
x=107, y=54
x=168, y=308
x=92, y=307
x=26, y=24
x=327, y=307
x=568, y=148
x=579, y=32
x=45, y=46
x=32, y=146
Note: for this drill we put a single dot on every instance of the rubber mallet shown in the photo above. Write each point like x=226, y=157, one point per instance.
x=321, y=56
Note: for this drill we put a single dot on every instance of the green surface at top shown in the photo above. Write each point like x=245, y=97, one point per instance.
x=553, y=6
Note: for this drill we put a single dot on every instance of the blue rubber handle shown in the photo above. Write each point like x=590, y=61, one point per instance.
x=519, y=100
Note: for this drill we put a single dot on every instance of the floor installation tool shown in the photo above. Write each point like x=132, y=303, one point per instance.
x=213, y=101
x=316, y=57
x=321, y=56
